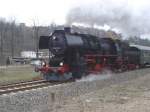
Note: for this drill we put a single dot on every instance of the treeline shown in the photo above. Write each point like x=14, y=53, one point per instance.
x=15, y=37
x=139, y=41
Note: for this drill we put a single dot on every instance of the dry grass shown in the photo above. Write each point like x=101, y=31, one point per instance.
x=17, y=73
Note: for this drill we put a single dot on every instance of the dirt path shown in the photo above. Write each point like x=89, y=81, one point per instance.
x=130, y=96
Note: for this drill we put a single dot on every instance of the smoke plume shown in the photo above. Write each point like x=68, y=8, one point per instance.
x=130, y=17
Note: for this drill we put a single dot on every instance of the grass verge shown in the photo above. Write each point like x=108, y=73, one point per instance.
x=17, y=73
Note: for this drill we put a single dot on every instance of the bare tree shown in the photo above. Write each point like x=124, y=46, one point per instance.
x=1, y=36
x=3, y=30
x=36, y=30
x=12, y=32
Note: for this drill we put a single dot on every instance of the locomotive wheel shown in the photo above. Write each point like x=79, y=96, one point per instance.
x=123, y=68
x=77, y=74
x=137, y=67
x=80, y=69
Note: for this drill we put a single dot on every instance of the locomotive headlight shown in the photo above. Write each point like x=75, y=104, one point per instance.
x=54, y=38
x=43, y=63
x=61, y=63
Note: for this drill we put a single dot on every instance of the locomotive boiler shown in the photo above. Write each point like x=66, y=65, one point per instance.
x=74, y=55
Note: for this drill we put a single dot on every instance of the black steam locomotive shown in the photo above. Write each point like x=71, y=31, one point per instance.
x=74, y=55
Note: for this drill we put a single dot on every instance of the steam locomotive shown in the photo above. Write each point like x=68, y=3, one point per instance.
x=74, y=55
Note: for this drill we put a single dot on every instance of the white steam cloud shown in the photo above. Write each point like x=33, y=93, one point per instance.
x=92, y=77
x=130, y=17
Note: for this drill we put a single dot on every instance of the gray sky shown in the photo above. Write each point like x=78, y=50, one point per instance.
x=46, y=11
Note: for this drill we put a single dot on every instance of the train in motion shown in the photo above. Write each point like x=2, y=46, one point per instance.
x=74, y=55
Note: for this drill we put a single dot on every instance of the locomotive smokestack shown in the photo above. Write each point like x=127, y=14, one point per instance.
x=67, y=29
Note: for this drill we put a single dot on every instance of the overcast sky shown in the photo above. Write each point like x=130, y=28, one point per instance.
x=44, y=12
x=47, y=11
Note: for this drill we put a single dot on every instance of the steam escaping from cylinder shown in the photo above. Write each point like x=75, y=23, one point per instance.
x=129, y=17
x=92, y=77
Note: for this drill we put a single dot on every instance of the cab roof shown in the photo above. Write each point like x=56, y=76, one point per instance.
x=140, y=47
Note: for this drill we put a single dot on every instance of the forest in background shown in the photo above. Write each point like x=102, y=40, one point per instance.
x=16, y=37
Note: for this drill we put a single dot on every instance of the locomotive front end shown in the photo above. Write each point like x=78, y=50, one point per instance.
x=61, y=47
x=55, y=69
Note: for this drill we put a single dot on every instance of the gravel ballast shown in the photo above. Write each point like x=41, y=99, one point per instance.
x=49, y=99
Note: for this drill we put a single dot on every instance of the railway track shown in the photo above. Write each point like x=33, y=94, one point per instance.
x=22, y=86
x=28, y=85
